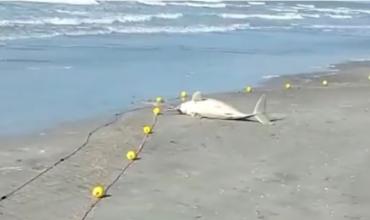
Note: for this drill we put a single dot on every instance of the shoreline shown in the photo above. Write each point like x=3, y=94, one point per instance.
x=313, y=163
x=94, y=121
x=72, y=103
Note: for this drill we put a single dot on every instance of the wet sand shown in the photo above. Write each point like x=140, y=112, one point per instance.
x=312, y=164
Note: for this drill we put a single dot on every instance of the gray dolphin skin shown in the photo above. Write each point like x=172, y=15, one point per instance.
x=215, y=109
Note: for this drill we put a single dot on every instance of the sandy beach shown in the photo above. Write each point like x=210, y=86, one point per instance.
x=312, y=164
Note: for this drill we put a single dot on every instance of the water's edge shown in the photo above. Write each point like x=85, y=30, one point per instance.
x=97, y=120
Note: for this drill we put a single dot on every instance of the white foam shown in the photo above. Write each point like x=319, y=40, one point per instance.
x=285, y=9
x=334, y=10
x=270, y=76
x=239, y=6
x=286, y=16
x=337, y=10
x=179, y=30
x=163, y=29
x=339, y=26
x=233, y=16
x=311, y=15
x=257, y=3
x=81, y=21
x=339, y=16
x=271, y=28
x=136, y=30
x=71, y=2
x=363, y=11
x=71, y=12
x=152, y=2
x=197, y=4
x=17, y=21
x=359, y=59
x=305, y=6
x=169, y=16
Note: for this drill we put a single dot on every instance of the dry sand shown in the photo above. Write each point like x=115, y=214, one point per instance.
x=313, y=164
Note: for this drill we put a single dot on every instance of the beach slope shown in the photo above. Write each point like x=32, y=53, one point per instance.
x=313, y=163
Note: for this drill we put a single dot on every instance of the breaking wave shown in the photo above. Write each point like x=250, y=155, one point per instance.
x=339, y=26
x=257, y=3
x=172, y=16
x=336, y=11
x=140, y=30
x=180, y=30
x=71, y=2
x=197, y=4
x=68, y=12
x=152, y=2
x=80, y=21
x=287, y=16
x=339, y=16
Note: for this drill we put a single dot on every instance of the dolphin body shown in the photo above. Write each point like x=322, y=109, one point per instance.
x=215, y=109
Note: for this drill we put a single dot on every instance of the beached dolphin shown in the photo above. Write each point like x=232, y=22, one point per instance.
x=212, y=108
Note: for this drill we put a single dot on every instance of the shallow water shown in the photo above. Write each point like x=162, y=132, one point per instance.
x=68, y=62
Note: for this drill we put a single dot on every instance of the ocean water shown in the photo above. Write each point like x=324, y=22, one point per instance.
x=63, y=62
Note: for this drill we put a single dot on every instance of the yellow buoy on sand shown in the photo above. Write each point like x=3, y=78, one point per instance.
x=159, y=99
x=288, y=86
x=368, y=77
x=156, y=111
x=147, y=129
x=324, y=82
x=183, y=94
x=131, y=155
x=248, y=89
x=98, y=191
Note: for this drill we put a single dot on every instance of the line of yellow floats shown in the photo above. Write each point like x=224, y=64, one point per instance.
x=288, y=85
x=98, y=191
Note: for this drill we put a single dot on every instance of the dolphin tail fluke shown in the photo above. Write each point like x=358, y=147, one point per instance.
x=259, y=111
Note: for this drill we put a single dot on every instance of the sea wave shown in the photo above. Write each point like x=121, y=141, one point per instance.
x=286, y=16
x=70, y=2
x=338, y=10
x=136, y=30
x=310, y=15
x=151, y=2
x=179, y=30
x=257, y=3
x=305, y=6
x=286, y=9
x=81, y=21
x=270, y=76
x=319, y=26
x=198, y=4
x=339, y=16
x=190, y=3
x=271, y=27
x=62, y=11
x=169, y=16
x=239, y=5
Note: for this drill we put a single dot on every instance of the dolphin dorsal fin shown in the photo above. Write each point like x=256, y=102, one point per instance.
x=197, y=96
